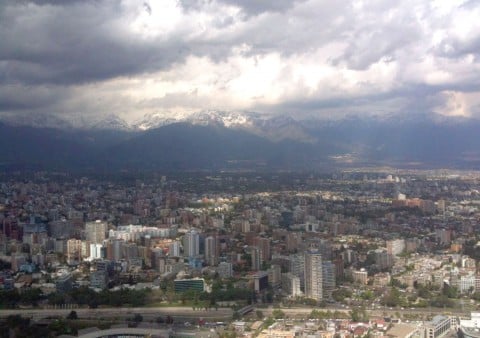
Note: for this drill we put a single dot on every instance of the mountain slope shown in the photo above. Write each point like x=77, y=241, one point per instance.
x=252, y=144
x=186, y=146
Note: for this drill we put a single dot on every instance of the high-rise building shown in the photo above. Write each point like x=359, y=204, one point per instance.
x=264, y=245
x=275, y=276
x=96, y=251
x=256, y=258
x=174, y=249
x=291, y=284
x=211, y=253
x=95, y=232
x=191, y=244
x=328, y=279
x=313, y=275
x=74, y=251
x=297, y=268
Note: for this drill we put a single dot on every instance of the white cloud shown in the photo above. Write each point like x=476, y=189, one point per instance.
x=299, y=57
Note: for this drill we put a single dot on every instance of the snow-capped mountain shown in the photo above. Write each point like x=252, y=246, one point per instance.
x=208, y=117
x=157, y=120
x=223, y=140
x=228, y=119
x=275, y=128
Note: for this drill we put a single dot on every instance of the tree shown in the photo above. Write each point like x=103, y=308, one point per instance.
x=450, y=291
x=340, y=294
x=259, y=314
x=278, y=314
x=72, y=315
x=359, y=315
x=137, y=318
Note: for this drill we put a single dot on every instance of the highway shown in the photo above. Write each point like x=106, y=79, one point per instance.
x=121, y=313
x=222, y=314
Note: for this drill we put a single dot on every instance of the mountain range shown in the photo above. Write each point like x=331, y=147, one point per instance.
x=220, y=140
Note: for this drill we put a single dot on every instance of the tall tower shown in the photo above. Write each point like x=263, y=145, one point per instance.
x=256, y=258
x=191, y=243
x=211, y=256
x=313, y=275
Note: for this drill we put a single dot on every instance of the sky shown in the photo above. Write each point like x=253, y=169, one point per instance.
x=303, y=58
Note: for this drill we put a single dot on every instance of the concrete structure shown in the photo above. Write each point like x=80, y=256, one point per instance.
x=225, y=270
x=291, y=284
x=470, y=328
x=99, y=279
x=396, y=246
x=360, y=276
x=191, y=244
x=95, y=232
x=328, y=279
x=211, y=253
x=313, y=275
x=437, y=327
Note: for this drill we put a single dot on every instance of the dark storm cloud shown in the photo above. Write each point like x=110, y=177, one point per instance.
x=29, y=98
x=75, y=44
x=338, y=54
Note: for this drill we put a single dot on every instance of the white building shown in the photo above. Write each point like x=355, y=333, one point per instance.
x=437, y=327
x=291, y=284
x=313, y=275
x=191, y=244
x=396, y=246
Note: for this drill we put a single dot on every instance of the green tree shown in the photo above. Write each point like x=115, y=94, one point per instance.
x=359, y=315
x=72, y=315
x=450, y=291
x=278, y=314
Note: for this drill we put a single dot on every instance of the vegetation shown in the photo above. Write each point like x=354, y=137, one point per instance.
x=86, y=296
x=359, y=315
x=278, y=314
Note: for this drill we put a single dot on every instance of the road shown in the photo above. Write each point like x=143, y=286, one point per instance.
x=148, y=313
x=222, y=314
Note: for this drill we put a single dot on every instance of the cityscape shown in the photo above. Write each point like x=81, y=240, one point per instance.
x=239, y=168
x=284, y=254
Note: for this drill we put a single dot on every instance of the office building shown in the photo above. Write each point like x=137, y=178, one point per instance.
x=437, y=327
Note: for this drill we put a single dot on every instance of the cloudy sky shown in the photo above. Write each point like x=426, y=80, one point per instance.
x=304, y=58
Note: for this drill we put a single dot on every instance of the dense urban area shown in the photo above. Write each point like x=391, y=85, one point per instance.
x=382, y=253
